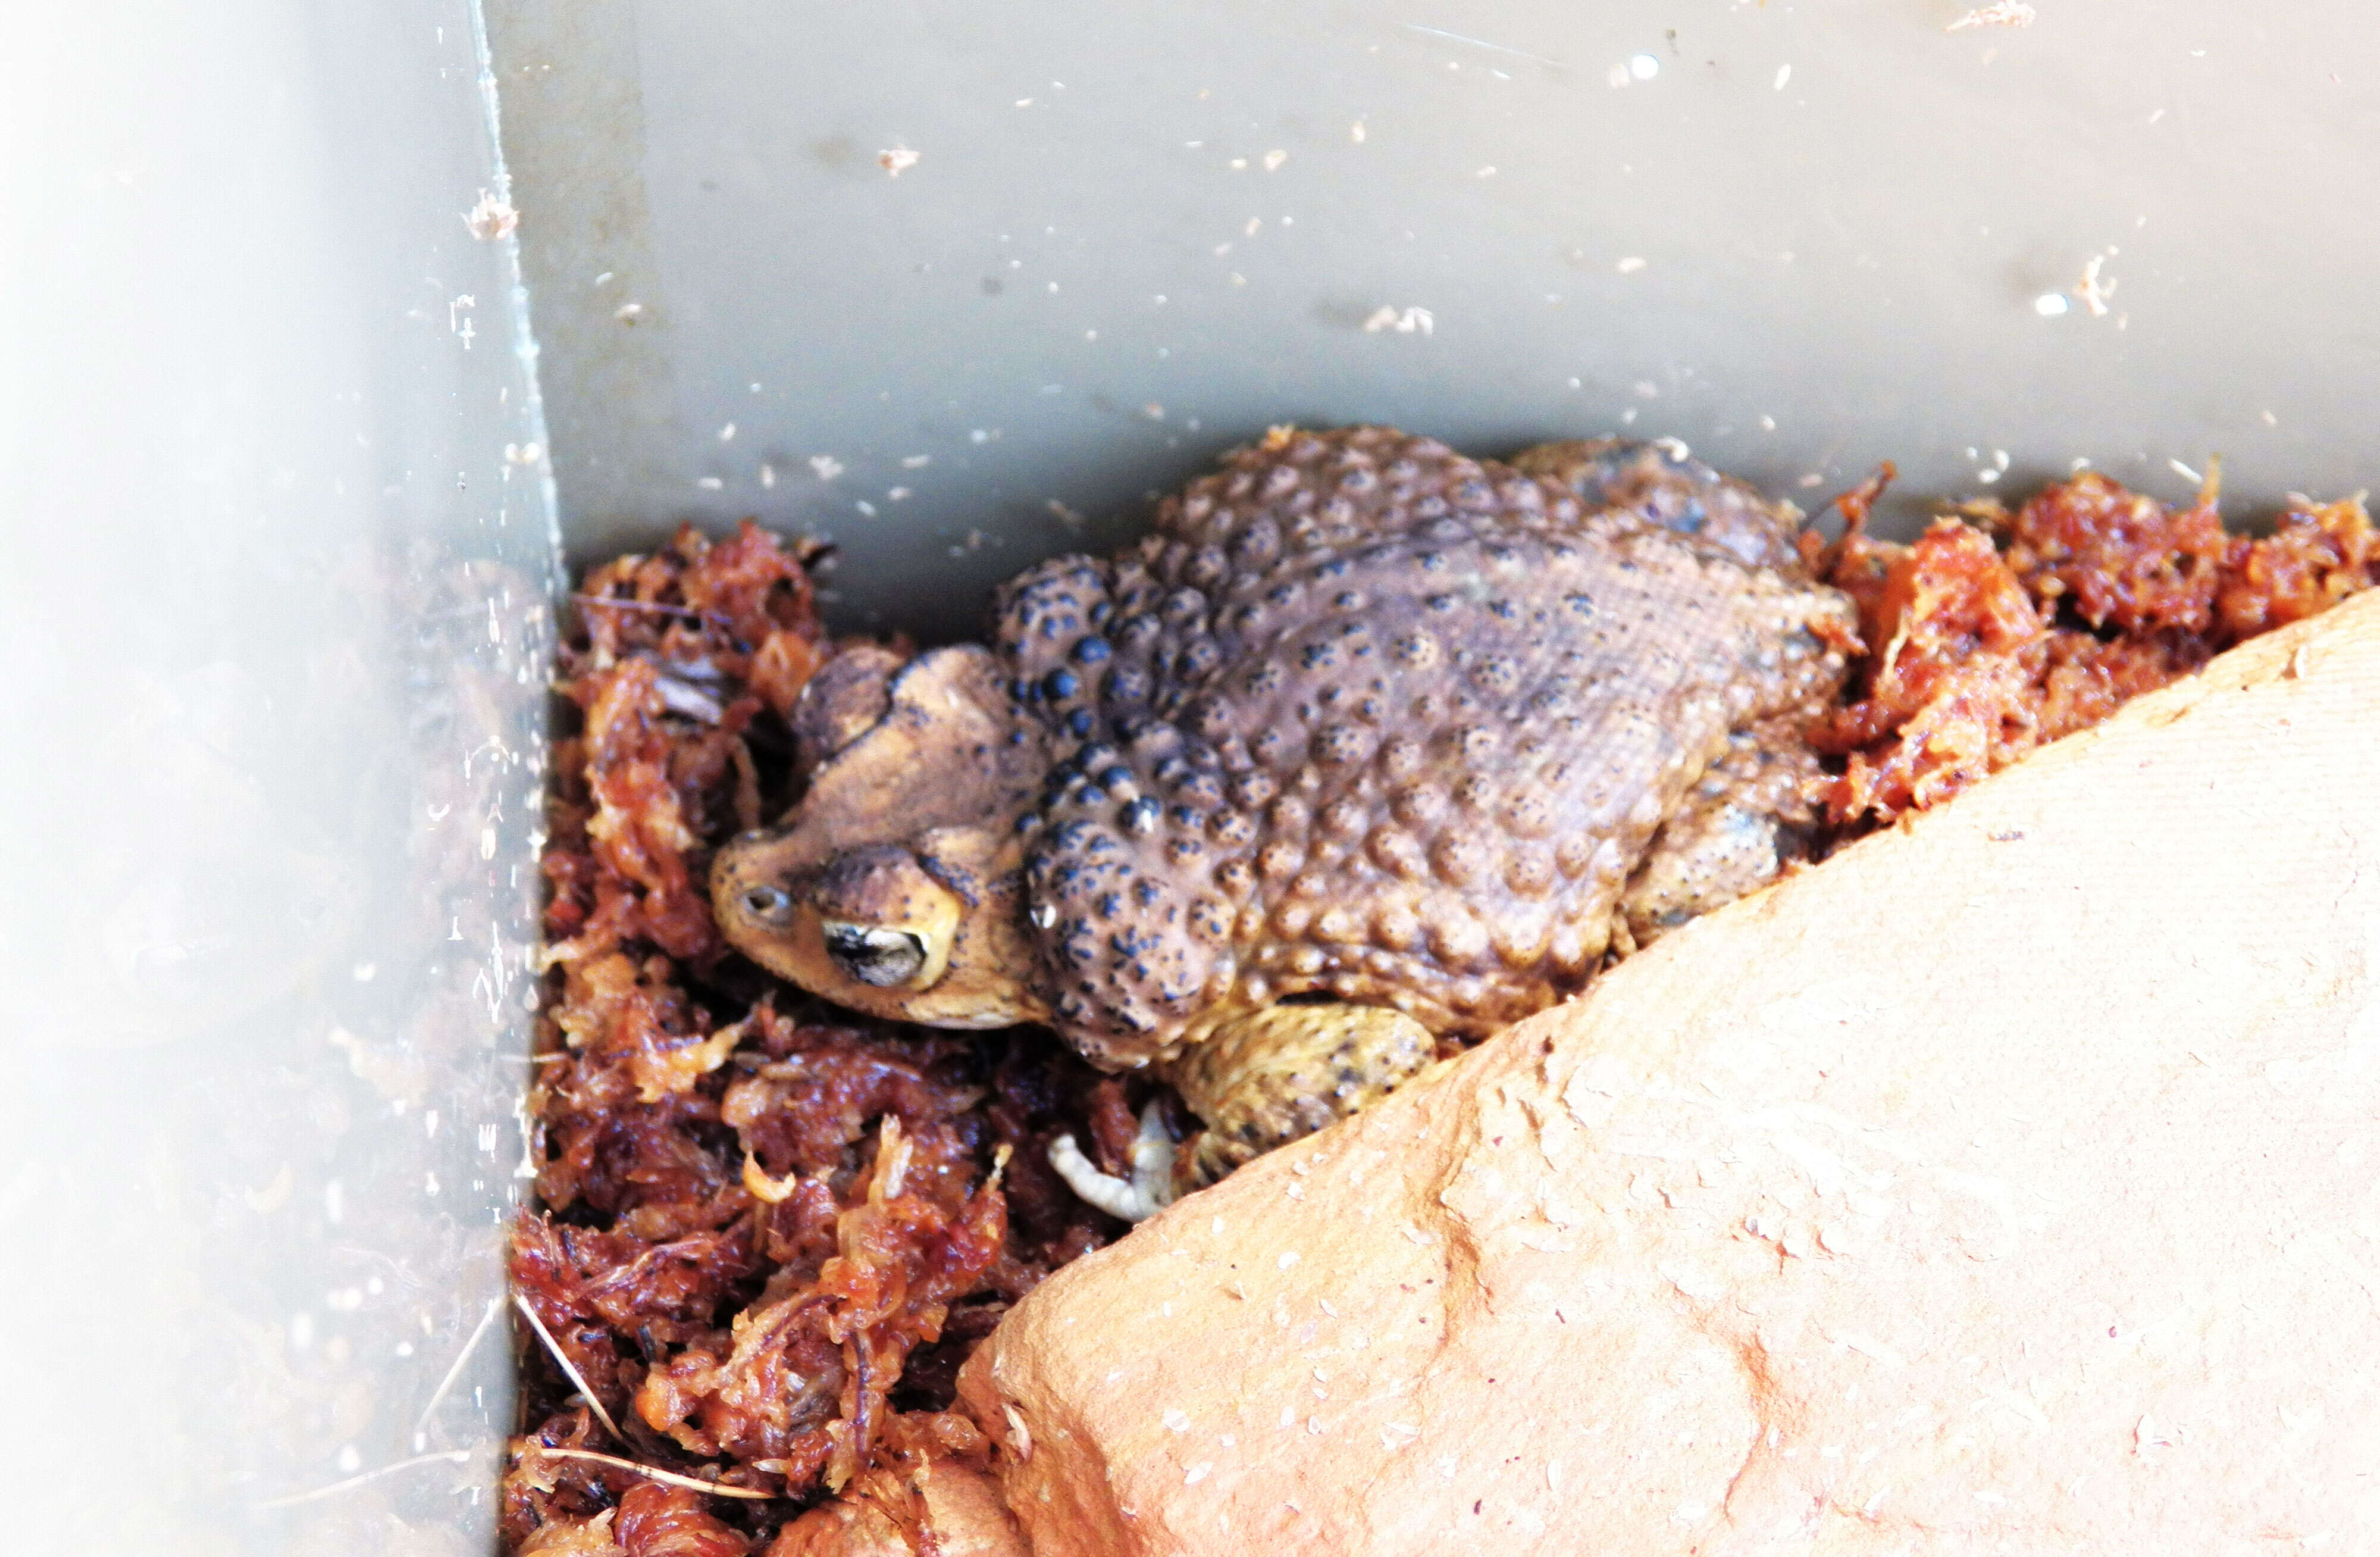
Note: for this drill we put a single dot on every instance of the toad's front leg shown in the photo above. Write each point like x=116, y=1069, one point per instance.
x=1259, y=1081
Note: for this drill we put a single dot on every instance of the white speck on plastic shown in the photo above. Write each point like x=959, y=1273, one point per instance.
x=1999, y=13
x=710, y=483
x=866, y=507
x=727, y=432
x=365, y=970
x=1175, y=1420
x=1643, y=68
x=1355, y=132
x=335, y=1202
x=1272, y=161
x=1406, y=322
x=896, y=160
x=2184, y=471
x=826, y=466
x=1784, y=74
x=2049, y=305
x=916, y=461
x=767, y=474
x=491, y=218
x=1629, y=265
x=1618, y=76
x=896, y=495
x=2094, y=289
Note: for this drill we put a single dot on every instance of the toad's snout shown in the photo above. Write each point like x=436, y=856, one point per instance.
x=872, y=916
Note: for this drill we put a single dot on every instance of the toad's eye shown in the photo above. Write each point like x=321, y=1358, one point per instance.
x=882, y=957
x=770, y=905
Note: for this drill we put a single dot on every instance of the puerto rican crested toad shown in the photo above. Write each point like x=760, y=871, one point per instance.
x=1367, y=749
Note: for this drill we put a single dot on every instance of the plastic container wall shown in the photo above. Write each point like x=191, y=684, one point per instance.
x=280, y=563
x=1802, y=237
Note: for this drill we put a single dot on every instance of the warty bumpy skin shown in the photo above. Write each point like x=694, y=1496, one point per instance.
x=1366, y=720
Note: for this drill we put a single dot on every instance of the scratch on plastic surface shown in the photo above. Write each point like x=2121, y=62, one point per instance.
x=495, y=1305
x=1482, y=43
x=449, y=1456
x=494, y=982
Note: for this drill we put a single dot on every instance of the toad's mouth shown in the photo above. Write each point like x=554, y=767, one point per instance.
x=874, y=955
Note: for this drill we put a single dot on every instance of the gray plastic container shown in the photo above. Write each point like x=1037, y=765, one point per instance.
x=280, y=514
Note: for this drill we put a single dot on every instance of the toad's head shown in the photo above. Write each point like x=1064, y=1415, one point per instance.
x=896, y=886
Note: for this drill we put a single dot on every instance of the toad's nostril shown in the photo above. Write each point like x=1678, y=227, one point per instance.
x=769, y=905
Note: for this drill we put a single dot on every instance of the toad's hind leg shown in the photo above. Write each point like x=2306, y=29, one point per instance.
x=1267, y=1078
x=1748, y=818
x=1261, y=1080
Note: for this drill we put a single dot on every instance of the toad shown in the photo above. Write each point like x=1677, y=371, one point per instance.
x=1367, y=751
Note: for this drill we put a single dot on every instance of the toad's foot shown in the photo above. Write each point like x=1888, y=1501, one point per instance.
x=1150, y=1188
x=1274, y=1075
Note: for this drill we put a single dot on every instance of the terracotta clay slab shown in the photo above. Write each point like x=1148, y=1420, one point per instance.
x=2011, y=1181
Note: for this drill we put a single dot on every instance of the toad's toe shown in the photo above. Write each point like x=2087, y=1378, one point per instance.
x=1150, y=1188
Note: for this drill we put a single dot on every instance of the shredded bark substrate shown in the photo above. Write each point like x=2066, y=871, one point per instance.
x=769, y=1232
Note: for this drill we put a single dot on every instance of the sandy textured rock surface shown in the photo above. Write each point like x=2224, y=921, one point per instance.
x=936, y=1506
x=2010, y=1184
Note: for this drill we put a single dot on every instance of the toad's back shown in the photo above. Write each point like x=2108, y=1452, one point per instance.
x=1368, y=718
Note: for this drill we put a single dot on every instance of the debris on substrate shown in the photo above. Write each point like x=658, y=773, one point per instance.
x=1996, y=632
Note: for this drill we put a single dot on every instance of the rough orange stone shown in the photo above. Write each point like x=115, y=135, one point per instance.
x=2011, y=1182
